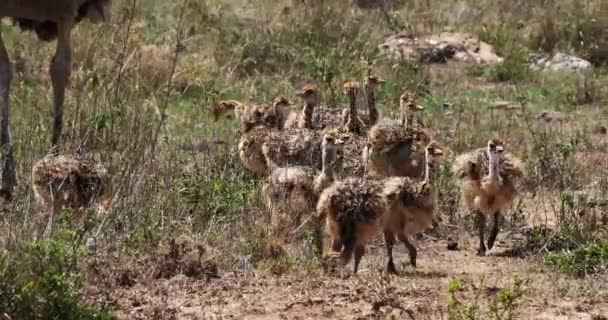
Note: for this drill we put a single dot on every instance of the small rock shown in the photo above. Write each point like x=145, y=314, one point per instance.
x=559, y=62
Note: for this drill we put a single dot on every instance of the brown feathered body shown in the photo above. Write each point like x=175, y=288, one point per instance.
x=288, y=147
x=479, y=192
x=393, y=150
x=354, y=211
x=289, y=194
x=41, y=16
x=67, y=180
x=295, y=147
x=250, y=149
x=349, y=158
x=250, y=116
x=260, y=116
x=326, y=117
x=410, y=205
x=322, y=117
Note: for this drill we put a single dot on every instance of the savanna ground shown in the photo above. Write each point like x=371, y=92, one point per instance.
x=187, y=237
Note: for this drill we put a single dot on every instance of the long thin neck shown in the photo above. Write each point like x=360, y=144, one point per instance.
x=352, y=104
x=309, y=107
x=404, y=115
x=328, y=159
x=494, y=172
x=269, y=161
x=409, y=123
x=371, y=104
x=352, y=122
x=430, y=173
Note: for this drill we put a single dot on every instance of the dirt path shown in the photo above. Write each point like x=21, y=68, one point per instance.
x=419, y=294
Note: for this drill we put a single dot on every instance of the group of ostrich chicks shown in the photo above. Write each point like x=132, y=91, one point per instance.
x=362, y=174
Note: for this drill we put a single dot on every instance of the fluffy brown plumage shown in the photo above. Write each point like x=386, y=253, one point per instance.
x=67, y=180
x=291, y=192
x=313, y=115
x=393, y=150
x=224, y=106
x=410, y=206
x=251, y=116
x=354, y=211
x=486, y=193
x=250, y=149
x=281, y=109
x=358, y=209
x=295, y=147
x=287, y=147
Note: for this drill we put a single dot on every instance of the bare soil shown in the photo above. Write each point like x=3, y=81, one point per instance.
x=175, y=285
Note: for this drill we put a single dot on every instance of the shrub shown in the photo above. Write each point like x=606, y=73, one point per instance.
x=587, y=259
x=40, y=281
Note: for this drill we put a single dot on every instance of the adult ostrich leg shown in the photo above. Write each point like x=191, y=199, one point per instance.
x=7, y=169
x=50, y=20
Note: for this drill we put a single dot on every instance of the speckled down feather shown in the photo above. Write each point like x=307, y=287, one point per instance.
x=349, y=157
x=385, y=135
x=295, y=147
x=303, y=175
x=410, y=193
x=358, y=200
x=71, y=173
x=325, y=117
x=474, y=165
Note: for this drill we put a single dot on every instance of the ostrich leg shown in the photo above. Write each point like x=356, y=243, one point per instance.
x=61, y=69
x=7, y=169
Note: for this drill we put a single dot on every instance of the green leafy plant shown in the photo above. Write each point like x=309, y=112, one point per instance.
x=502, y=307
x=587, y=259
x=41, y=282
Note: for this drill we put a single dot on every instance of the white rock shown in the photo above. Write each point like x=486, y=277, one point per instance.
x=559, y=62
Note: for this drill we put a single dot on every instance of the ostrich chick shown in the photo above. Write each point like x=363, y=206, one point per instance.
x=357, y=210
x=411, y=206
x=66, y=180
x=372, y=82
x=310, y=94
x=294, y=190
x=352, y=121
x=488, y=194
x=392, y=146
x=290, y=146
x=251, y=116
